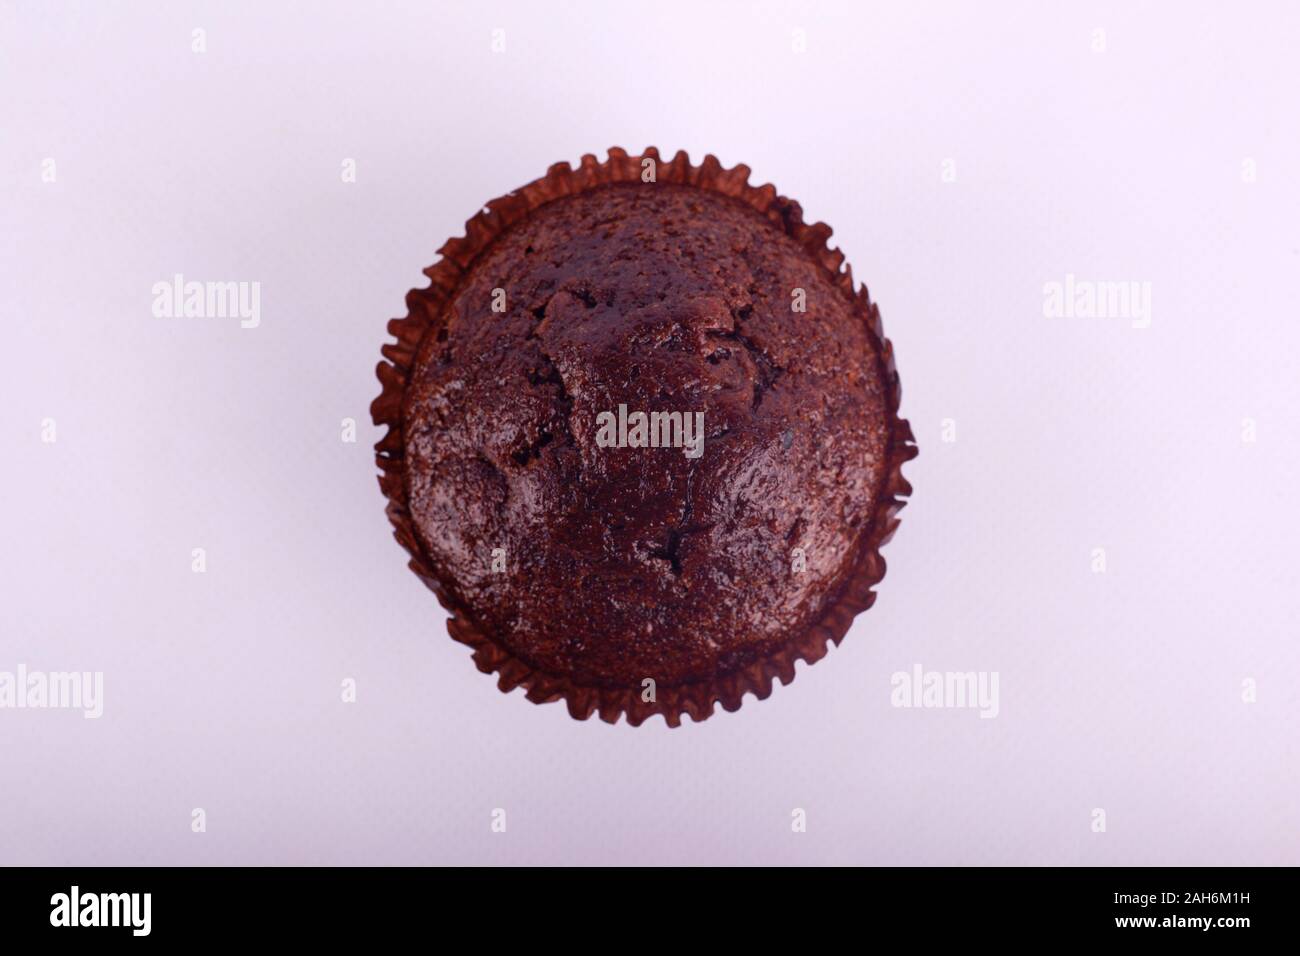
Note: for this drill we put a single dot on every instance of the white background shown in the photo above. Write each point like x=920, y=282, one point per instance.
x=1120, y=691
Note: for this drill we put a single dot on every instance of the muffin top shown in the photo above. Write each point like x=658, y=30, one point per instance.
x=645, y=440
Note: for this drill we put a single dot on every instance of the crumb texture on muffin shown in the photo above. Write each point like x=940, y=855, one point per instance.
x=582, y=571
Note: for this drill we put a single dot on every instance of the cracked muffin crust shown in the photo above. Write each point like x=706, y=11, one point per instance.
x=642, y=580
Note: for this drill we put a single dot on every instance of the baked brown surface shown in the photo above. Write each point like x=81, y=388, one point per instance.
x=591, y=569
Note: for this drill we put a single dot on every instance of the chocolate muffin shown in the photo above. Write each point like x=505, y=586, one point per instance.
x=643, y=439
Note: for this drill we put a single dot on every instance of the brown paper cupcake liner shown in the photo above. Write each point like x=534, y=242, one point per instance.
x=426, y=314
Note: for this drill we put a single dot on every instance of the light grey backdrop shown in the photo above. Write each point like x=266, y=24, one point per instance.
x=965, y=154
